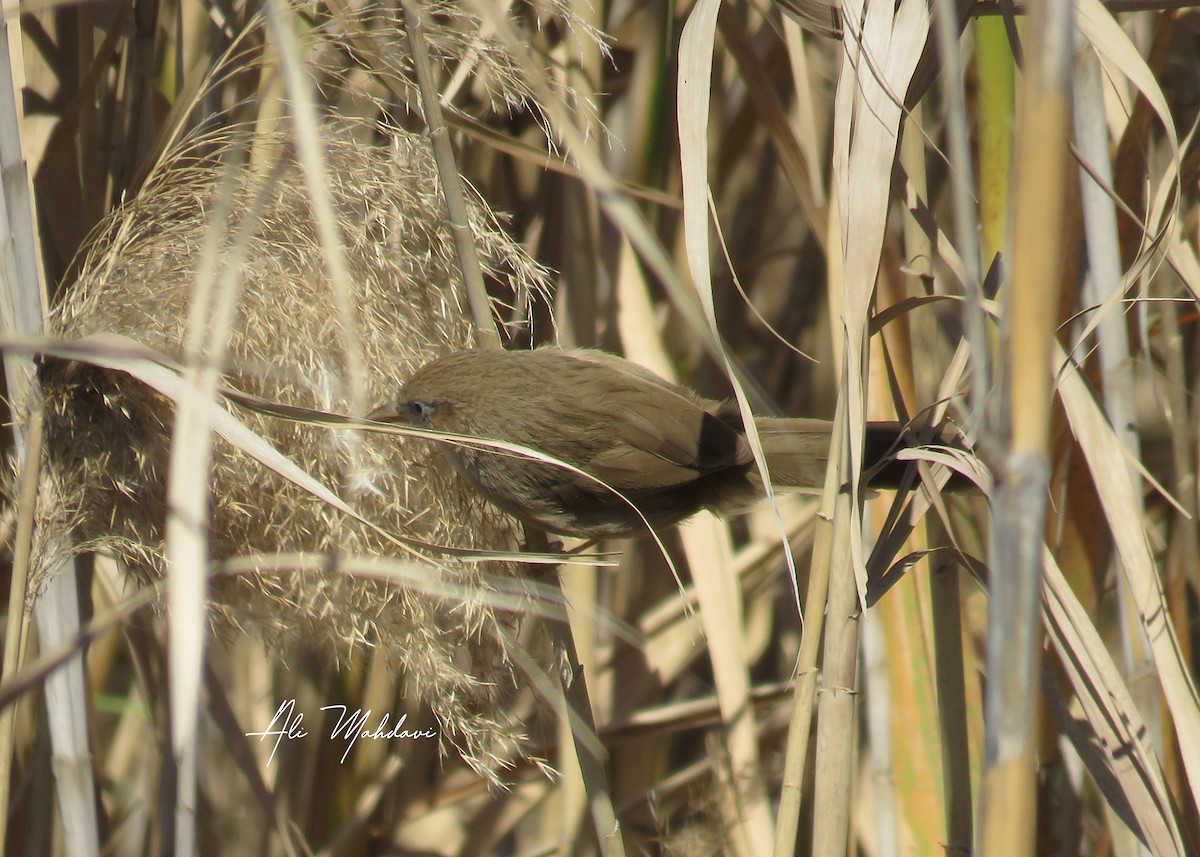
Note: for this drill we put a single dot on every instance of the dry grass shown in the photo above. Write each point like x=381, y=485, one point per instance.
x=759, y=706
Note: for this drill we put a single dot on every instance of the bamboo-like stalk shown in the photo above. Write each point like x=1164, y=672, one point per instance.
x=965, y=219
x=451, y=181
x=1007, y=812
x=805, y=674
x=22, y=307
x=804, y=694
x=836, y=715
x=16, y=629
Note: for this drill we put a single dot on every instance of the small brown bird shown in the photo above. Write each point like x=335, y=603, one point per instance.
x=666, y=449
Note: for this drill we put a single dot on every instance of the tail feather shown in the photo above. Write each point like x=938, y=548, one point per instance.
x=797, y=452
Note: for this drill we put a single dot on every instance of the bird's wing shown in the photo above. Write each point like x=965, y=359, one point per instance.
x=643, y=434
x=661, y=439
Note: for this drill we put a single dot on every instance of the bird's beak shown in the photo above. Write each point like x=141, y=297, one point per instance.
x=386, y=413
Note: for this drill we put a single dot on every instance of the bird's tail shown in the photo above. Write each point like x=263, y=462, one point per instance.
x=797, y=451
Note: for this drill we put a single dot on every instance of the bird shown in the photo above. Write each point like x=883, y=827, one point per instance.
x=645, y=451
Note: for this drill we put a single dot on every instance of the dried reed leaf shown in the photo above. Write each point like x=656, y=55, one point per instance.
x=1118, y=741
x=1101, y=448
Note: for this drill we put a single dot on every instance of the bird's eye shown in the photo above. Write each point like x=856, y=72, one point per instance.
x=419, y=411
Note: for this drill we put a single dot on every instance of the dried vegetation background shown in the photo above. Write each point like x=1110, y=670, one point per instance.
x=171, y=148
